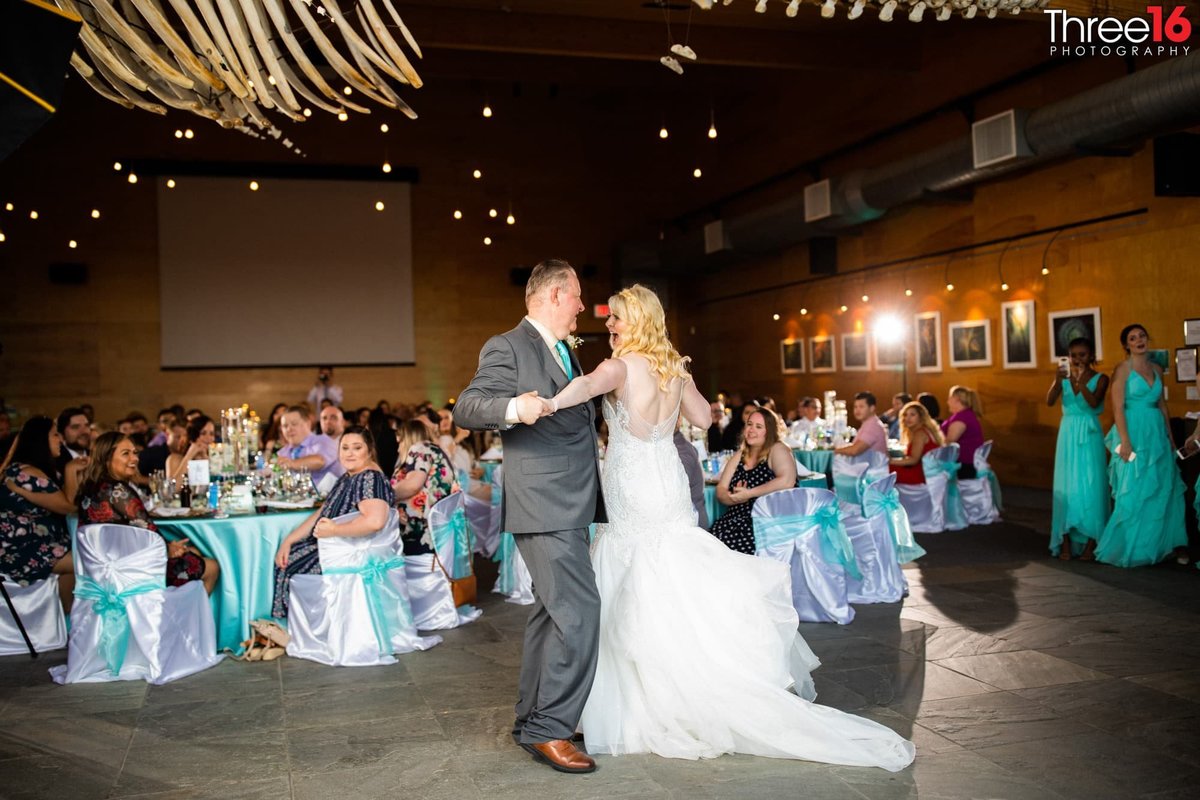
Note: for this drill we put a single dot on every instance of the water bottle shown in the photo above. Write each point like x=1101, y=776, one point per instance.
x=214, y=495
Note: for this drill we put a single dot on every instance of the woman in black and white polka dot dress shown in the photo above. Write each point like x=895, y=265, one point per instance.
x=763, y=465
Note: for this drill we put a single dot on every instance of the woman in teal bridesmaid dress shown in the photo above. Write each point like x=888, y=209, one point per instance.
x=1081, y=497
x=1147, y=523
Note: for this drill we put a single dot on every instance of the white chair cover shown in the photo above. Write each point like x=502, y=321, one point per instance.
x=484, y=517
x=125, y=623
x=848, y=473
x=432, y=599
x=803, y=528
x=872, y=538
x=926, y=503
x=514, y=580
x=356, y=613
x=943, y=465
x=41, y=613
x=980, y=495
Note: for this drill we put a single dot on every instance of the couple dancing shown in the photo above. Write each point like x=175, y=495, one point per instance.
x=662, y=640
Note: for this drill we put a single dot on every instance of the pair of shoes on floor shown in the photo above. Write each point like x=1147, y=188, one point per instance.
x=260, y=648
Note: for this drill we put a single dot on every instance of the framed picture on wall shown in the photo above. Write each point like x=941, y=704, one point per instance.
x=855, y=357
x=1018, y=334
x=791, y=356
x=927, y=334
x=1191, y=331
x=1078, y=323
x=889, y=352
x=971, y=343
x=820, y=354
x=1185, y=364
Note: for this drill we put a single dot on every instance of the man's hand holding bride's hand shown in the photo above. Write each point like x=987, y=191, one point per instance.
x=530, y=407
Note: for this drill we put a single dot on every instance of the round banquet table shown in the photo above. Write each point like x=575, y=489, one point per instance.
x=245, y=548
x=814, y=460
x=715, y=509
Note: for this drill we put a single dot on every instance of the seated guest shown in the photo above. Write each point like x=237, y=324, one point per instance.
x=919, y=434
x=764, y=465
x=712, y=439
x=166, y=418
x=362, y=487
x=76, y=431
x=333, y=422
x=155, y=457
x=303, y=449
x=106, y=494
x=891, y=417
x=963, y=427
x=769, y=404
x=272, y=438
x=199, y=434
x=362, y=416
x=931, y=405
x=192, y=414
x=810, y=419
x=383, y=428
x=424, y=475
x=138, y=423
x=731, y=437
x=34, y=541
x=695, y=476
x=871, y=433
x=454, y=441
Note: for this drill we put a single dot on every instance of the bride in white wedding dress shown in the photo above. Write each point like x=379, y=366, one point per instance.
x=698, y=644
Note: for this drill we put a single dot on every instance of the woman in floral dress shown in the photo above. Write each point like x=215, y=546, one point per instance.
x=424, y=475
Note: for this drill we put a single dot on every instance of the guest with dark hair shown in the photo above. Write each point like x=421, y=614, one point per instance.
x=155, y=457
x=1147, y=522
x=362, y=416
x=424, y=475
x=34, y=502
x=164, y=421
x=810, y=419
x=75, y=428
x=712, y=441
x=138, y=423
x=763, y=465
x=362, y=487
x=891, y=417
x=382, y=427
x=1081, y=499
x=200, y=433
x=731, y=437
x=931, y=405
x=963, y=428
x=272, y=438
x=333, y=422
x=871, y=433
x=919, y=434
x=107, y=495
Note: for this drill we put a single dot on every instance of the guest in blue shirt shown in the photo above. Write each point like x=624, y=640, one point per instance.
x=303, y=449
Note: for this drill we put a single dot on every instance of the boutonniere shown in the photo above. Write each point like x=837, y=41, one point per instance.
x=573, y=342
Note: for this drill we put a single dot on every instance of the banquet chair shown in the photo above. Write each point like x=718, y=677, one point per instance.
x=126, y=624
x=356, y=613
x=926, y=503
x=803, y=529
x=981, y=494
x=852, y=473
x=484, y=518
x=40, y=612
x=432, y=598
x=514, y=580
x=875, y=552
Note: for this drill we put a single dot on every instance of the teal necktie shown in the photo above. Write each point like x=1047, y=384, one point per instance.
x=564, y=357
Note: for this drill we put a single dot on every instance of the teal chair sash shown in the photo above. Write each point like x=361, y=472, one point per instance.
x=456, y=528
x=389, y=608
x=847, y=487
x=955, y=516
x=835, y=544
x=986, y=472
x=506, y=557
x=114, y=619
x=888, y=504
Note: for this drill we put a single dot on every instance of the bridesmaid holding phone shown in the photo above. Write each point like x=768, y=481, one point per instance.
x=1081, y=496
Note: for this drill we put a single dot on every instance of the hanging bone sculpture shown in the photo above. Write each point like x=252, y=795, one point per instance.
x=228, y=60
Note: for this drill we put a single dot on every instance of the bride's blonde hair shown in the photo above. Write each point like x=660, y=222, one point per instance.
x=646, y=333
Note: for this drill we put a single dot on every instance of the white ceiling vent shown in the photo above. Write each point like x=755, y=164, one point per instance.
x=998, y=139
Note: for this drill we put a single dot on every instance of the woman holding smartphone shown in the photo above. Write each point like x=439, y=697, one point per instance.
x=1147, y=524
x=1081, y=499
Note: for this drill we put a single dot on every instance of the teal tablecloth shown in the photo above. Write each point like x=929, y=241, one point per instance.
x=245, y=548
x=715, y=509
x=815, y=460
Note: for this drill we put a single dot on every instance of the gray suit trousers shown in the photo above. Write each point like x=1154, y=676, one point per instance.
x=561, y=637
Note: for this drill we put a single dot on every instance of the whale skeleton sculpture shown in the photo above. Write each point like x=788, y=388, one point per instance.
x=228, y=60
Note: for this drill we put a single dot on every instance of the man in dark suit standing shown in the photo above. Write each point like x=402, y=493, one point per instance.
x=551, y=495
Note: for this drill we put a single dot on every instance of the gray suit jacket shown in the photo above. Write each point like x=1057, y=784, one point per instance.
x=551, y=477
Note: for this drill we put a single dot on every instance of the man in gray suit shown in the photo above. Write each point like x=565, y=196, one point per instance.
x=551, y=494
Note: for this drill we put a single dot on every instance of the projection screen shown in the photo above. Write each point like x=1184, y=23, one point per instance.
x=297, y=273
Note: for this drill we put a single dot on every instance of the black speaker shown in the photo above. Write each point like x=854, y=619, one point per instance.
x=68, y=274
x=1177, y=165
x=822, y=255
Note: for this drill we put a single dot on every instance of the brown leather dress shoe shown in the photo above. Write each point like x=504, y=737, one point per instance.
x=561, y=755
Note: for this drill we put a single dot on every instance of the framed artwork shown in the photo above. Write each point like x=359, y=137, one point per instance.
x=1078, y=323
x=927, y=335
x=854, y=352
x=1191, y=331
x=820, y=354
x=1019, y=334
x=1160, y=357
x=971, y=343
x=889, y=353
x=1185, y=364
x=791, y=356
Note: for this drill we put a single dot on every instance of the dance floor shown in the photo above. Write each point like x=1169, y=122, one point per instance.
x=1018, y=676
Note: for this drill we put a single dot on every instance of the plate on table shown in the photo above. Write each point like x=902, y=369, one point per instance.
x=288, y=505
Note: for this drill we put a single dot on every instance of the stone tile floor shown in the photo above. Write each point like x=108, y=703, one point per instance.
x=1017, y=676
